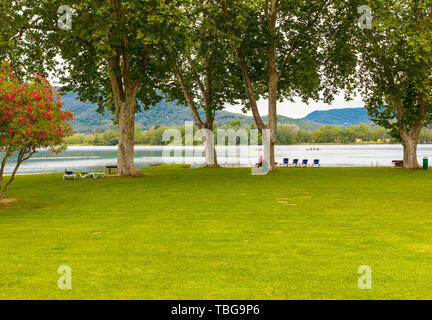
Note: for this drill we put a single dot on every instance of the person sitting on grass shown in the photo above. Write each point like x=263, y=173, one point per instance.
x=260, y=162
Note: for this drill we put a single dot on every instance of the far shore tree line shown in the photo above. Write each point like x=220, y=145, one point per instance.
x=287, y=134
x=127, y=55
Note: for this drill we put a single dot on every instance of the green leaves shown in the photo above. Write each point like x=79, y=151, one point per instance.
x=395, y=60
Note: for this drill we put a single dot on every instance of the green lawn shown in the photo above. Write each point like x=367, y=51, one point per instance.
x=220, y=234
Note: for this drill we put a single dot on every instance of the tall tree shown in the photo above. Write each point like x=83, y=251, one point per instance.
x=287, y=49
x=113, y=54
x=202, y=71
x=395, y=68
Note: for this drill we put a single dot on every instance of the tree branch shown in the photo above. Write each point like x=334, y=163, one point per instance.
x=195, y=71
x=188, y=96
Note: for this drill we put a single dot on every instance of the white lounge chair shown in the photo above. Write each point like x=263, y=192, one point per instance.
x=94, y=175
x=69, y=174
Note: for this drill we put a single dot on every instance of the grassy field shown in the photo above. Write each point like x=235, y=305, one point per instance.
x=177, y=233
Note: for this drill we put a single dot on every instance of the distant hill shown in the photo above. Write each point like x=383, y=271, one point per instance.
x=163, y=114
x=302, y=124
x=341, y=117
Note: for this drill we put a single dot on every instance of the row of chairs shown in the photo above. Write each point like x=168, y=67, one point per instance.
x=72, y=175
x=304, y=163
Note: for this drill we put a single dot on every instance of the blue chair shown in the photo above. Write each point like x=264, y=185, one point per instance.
x=305, y=163
x=316, y=163
x=285, y=162
x=295, y=162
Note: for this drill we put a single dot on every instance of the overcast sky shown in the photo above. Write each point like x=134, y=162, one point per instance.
x=300, y=110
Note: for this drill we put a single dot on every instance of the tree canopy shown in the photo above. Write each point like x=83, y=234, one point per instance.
x=395, y=67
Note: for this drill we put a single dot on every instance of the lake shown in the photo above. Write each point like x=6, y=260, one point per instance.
x=79, y=158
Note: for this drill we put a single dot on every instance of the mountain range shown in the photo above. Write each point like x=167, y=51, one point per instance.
x=340, y=117
x=87, y=120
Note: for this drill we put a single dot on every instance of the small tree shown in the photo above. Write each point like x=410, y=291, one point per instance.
x=30, y=118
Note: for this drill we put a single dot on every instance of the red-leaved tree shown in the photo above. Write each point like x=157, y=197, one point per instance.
x=31, y=118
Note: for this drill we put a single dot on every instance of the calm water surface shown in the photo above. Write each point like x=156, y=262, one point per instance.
x=79, y=158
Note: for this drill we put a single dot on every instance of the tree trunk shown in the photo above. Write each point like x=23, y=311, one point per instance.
x=410, y=136
x=250, y=90
x=410, y=152
x=215, y=165
x=126, y=129
x=210, y=149
x=20, y=159
x=272, y=103
x=272, y=121
x=210, y=153
x=206, y=133
x=273, y=82
x=3, y=165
